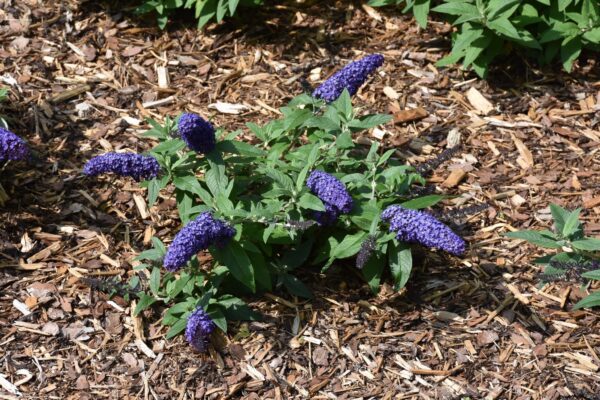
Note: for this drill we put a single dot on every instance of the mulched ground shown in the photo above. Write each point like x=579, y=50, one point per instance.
x=82, y=82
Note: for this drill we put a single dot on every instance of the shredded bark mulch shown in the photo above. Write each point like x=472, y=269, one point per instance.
x=84, y=79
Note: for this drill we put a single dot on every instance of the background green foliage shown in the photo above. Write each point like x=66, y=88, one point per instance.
x=205, y=10
x=3, y=97
x=568, y=235
x=486, y=29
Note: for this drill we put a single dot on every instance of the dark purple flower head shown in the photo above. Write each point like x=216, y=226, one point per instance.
x=198, y=329
x=197, y=235
x=366, y=251
x=197, y=133
x=12, y=147
x=136, y=166
x=332, y=193
x=420, y=227
x=351, y=77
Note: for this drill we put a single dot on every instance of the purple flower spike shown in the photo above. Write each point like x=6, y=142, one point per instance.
x=12, y=147
x=136, y=166
x=332, y=193
x=198, y=329
x=197, y=235
x=420, y=227
x=197, y=133
x=351, y=77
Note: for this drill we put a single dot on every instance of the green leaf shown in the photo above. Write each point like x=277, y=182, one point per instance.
x=310, y=201
x=180, y=283
x=370, y=121
x=177, y=328
x=295, y=286
x=372, y=271
x=560, y=215
x=349, y=246
x=144, y=302
x=241, y=148
x=456, y=8
x=171, y=146
x=536, y=238
x=282, y=179
x=215, y=177
x=423, y=202
x=154, y=188
x=569, y=51
x=400, y=259
x=234, y=257
x=344, y=105
x=592, y=275
x=190, y=183
x=587, y=244
x=571, y=223
x=216, y=314
x=593, y=35
x=504, y=27
x=155, y=281
x=421, y=11
x=233, y=4
x=592, y=300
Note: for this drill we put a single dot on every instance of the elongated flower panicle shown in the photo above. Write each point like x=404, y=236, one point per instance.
x=197, y=133
x=416, y=226
x=197, y=235
x=134, y=165
x=332, y=193
x=366, y=251
x=12, y=147
x=351, y=77
x=198, y=329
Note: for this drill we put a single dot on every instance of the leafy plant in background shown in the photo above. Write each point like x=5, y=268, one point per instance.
x=204, y=10
x=304, y=193
x=419, y=8
x=579, y=255
x=486, y=29
x=3, y=97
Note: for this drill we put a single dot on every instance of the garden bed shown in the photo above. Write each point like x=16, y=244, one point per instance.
x=478, y=326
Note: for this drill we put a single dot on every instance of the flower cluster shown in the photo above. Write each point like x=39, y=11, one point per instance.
x=12, y=147
x=416, y=226
x=366, y=250
x=134, y=165
x=351, y=77
x=198, y=329
x=197, y=133
x=332, y=193
x=197, y=235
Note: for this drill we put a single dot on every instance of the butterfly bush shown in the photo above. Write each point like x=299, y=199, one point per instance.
x=136, y=166
x=351, y=77
x=197, y=235
x=198, y=329
x=417, y=226
x=332, y=193
x=197, y=133
x=12, y=147
x=266, y=189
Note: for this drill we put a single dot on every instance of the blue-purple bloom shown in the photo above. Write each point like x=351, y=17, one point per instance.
x=134, y=165
x=12, y=147
x=417, y=226
x=351, y=77
x=198, y=329
x=332, y=193
x=197, y=133
x=197, y=235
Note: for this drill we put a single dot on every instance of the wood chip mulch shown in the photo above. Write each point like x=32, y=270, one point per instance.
x=83, y=80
